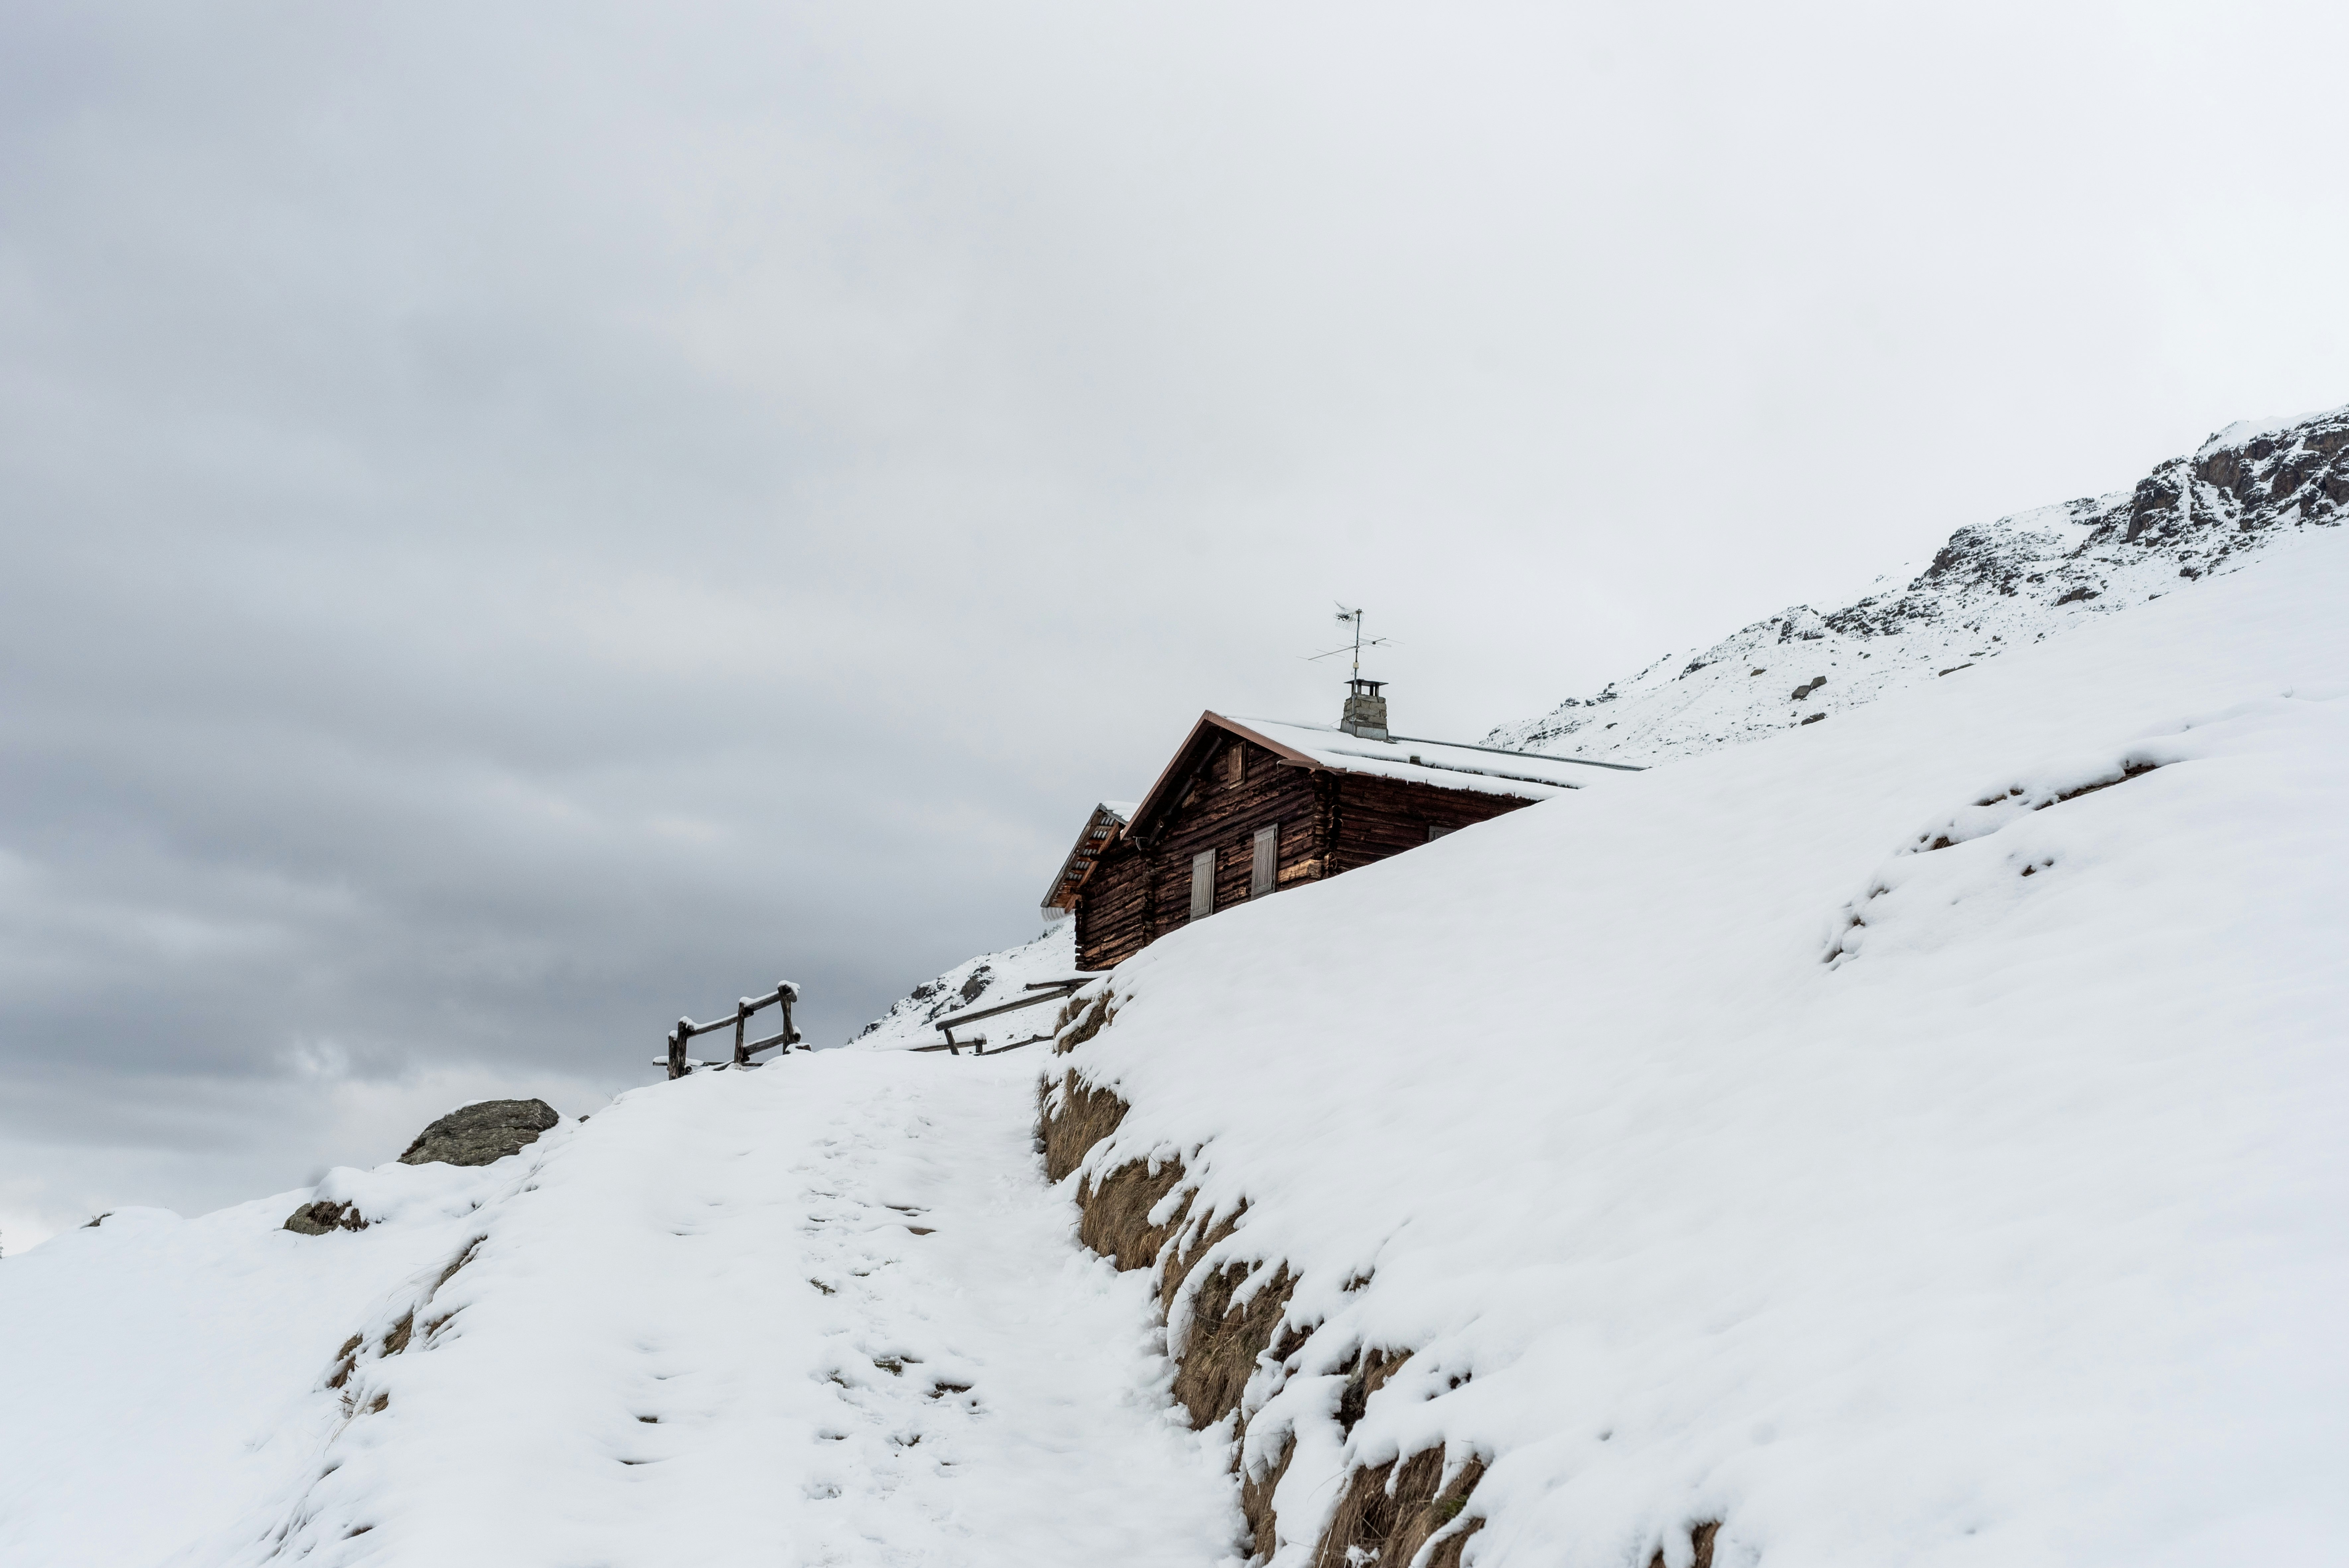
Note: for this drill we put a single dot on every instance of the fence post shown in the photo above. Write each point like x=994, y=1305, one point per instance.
x=785, y=995
x=676, y=1044
x=741, y=1018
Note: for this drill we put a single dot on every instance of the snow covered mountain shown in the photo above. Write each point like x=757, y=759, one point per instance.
x=1990, y=590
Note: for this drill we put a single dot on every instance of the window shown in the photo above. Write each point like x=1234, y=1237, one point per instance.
x=1202, y=884
x=1265, y=871
x=1434, y=832
x=1235, y=762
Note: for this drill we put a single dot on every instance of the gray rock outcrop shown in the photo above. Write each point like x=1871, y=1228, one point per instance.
x=481, y=1133
x=475, y=1134
x=325, y=1218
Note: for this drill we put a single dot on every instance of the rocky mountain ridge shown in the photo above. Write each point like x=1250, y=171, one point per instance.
x=1992, y=587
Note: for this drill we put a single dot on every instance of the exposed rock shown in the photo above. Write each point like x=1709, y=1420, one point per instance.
x=325, y=1217
x=477, y=1134
x=1992, y=587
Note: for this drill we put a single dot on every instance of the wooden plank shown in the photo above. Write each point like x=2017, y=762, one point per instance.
x=955, y=1020
x=1015, y=1045
x=728, y=1021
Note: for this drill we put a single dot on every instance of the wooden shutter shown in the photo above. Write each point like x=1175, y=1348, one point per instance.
x=1266, y=868
x=1202, y=884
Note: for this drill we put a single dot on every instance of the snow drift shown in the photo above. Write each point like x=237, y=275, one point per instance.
x=1913, y=1139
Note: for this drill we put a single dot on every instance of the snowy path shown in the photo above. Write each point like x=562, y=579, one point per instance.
x=996, y=1393
x=824, y=1313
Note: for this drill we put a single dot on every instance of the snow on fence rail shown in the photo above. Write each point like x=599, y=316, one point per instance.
x=782, y=996
x=1046, y=991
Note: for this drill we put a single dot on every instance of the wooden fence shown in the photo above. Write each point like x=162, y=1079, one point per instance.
x=1045, y=991
x=679, y=1064
x=782, y=996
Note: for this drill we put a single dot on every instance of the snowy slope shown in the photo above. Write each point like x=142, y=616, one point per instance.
x=162, y=1374
x=2008, y=1227
x=823, y=1311
x=986, y=981
x=1990, y=590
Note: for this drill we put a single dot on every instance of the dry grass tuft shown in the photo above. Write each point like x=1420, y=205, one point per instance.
x=462, y=1260
x=1389, y=1511
x=1096, y=1018
x=1220, y=1354
x=1176, y=1266
x=346, y=1361
x=1366, y=1377
x=1701, y=1536
x=1256, y=1506
x=1087, y=1115
x=396, y=1340
x=1113, y=1212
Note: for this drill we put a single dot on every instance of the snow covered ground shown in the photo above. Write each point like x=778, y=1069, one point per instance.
x=1921, y=1138
x=826, y=1311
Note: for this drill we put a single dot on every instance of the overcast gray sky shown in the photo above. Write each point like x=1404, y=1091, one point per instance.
x=518, y=520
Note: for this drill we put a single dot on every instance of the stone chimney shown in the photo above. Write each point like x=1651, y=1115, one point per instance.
x=1366, y=711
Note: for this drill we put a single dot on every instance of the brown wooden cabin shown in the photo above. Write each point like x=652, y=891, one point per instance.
x=1248, y=807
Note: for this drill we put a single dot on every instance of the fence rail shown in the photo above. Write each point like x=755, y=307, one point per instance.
x=679, y=1062
x=781, y=996
x=1045, y=991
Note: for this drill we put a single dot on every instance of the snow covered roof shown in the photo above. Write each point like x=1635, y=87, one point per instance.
x=1447, y=764
x=1438, y=764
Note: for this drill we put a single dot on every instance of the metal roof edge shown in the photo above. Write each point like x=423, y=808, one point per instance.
x=1528, y=756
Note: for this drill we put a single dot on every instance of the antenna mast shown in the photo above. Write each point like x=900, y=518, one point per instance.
x=1353, y=617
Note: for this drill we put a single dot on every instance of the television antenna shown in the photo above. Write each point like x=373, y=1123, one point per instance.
x=1352, y=618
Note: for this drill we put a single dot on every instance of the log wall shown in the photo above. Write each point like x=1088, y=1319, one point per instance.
x=1113, y=909
x=1142, y=891
x=1330, y=822
x=1382, y=816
